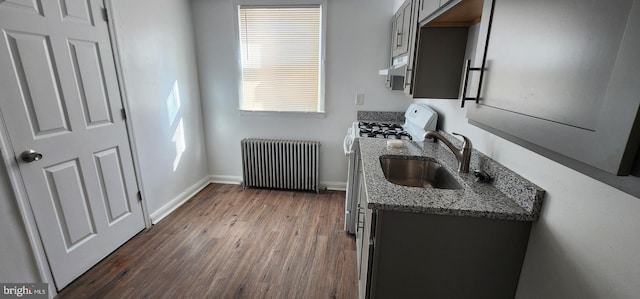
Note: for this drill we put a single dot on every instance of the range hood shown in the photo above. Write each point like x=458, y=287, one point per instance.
x=398, y=67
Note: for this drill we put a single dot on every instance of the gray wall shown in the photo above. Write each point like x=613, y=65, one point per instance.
x=358, y=37
x=156, y=42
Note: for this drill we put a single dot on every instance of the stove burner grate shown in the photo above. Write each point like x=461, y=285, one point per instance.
x=387, y=131
x=399, y=135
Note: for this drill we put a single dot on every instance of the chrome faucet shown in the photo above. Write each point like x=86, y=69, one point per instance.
x=462, y=154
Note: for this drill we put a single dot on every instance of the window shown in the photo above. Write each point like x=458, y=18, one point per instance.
x=281, y=51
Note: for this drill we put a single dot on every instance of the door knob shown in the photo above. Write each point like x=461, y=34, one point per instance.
x=30, y=156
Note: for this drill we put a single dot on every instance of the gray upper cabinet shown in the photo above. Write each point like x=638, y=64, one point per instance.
x=396, y=35
x=438, y=66
x=403, y=40
x=401, y=29
x=426, y=8
x=445, y=41
x=561, y=78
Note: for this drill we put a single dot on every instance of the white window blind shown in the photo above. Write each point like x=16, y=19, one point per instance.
x=281, y=58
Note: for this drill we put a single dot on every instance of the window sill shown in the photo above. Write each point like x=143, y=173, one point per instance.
x=282, y=114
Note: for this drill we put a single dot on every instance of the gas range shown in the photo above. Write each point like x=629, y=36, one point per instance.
x=418, y=119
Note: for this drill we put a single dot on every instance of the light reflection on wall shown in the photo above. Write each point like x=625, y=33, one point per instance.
x=178, y=139
x=174, y=113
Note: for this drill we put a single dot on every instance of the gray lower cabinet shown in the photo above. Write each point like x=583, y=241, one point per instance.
x=411, y=255
x=360, y=222
x=561, y=79
x=364, y=244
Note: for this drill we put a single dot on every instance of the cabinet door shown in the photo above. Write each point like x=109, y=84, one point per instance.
x=360, y=219
x=402, y=29
x=561, y=79
x=396, y=35
x=439, y=61
x=427, y=7
x=363, y=241
x=366, y=264
x=406, y=26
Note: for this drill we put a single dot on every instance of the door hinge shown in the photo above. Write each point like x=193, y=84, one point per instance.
x=105, y=16
x=139, y=195
x=124, y=113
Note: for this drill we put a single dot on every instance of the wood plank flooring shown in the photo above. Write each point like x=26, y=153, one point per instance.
x=232, y=243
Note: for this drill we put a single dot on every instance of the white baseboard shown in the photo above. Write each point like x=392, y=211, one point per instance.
x=177, y=201
x=225, y=179
x=337, y=186
x=237, y=180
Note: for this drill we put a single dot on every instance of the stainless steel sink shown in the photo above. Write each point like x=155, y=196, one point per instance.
x=417, y=171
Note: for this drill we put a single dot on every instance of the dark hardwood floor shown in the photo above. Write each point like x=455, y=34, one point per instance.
x=232, y=243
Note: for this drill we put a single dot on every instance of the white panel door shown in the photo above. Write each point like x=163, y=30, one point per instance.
x=60, y=98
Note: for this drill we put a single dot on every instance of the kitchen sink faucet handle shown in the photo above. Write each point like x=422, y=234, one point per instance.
x=467, y=142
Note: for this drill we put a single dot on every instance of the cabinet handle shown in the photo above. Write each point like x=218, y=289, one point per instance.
x=465, y=82
x=482, y=69
x=398, y=38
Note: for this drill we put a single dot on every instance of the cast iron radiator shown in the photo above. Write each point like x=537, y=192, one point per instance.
x=281, y=164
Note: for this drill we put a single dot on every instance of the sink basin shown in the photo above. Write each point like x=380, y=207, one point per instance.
x=414, y=171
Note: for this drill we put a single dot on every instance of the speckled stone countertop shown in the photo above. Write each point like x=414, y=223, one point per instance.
x=508, y=196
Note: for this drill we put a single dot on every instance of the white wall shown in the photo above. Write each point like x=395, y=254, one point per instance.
x=155, y=40
x=358, y=37
x=397, y=4
x=16, y=257
x=586, y=243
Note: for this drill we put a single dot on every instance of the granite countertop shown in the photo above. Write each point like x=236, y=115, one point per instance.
x=508, y=196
